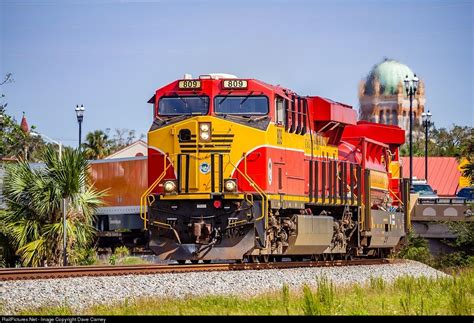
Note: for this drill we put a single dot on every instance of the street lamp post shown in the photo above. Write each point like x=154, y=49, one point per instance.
x=60, y=144
x=411, y=87
x=427, y=124
x=80, y=116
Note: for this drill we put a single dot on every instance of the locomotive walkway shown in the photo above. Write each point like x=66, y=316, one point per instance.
x=66, y=272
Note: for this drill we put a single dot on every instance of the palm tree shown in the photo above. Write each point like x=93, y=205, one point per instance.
x=97, y=145
x=468, y=171
x=33, y=219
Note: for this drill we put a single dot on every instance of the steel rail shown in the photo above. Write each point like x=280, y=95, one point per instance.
x=80, y=271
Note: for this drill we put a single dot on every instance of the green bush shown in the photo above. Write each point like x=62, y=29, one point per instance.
x=464, y=232
x=83, y=257
x=454, y=259
x=113, y=259
x=122, y=252
x=121, y=256
x=416, y=249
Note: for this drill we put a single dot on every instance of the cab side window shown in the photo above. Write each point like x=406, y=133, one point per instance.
x=280, y=107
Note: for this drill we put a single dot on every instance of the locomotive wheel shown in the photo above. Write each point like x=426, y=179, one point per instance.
x=181, y=262
x=349, y=254
x=253, y=259
x=264, y=258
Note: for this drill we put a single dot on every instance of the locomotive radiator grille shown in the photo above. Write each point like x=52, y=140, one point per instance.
x=219, y=143
x=183, y=165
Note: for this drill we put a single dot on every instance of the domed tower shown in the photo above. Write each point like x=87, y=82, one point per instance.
x=383, y=98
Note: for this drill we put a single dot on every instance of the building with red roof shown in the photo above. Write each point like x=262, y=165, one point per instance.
x=443, y=173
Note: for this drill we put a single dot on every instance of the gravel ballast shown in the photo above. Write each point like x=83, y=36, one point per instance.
x=82, y=292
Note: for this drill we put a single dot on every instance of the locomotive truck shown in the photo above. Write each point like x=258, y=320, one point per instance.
x=242, y=170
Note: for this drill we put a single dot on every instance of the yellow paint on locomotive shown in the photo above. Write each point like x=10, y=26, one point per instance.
x=233, y=140
x=395, y=169
x=379, y=180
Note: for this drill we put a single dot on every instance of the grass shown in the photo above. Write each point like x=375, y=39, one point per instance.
x=405, y=296
x=121, y=256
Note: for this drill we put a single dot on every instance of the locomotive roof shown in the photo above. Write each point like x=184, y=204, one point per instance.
x=281, y=91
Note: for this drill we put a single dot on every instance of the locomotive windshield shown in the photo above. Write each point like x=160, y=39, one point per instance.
x=183, y=105
x=242, y=105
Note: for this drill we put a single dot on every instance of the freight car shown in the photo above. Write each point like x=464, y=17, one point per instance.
x=118, y=220
x=242, y=170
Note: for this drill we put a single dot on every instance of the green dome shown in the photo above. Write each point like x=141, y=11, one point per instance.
x=389, y=73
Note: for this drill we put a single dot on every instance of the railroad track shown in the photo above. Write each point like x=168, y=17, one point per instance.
x=79, y=271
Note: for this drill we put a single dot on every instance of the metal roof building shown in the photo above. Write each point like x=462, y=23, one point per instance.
x=443, y=173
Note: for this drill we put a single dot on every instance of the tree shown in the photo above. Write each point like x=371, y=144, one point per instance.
x=464, y=231
x=32, y=220
x=97, y=145
x=467, y=151
x=468, y=171
x=416, y=248
x=450, y=142
x=122, y=138
x=454, y=142
x=14, y=142
x=8, y=79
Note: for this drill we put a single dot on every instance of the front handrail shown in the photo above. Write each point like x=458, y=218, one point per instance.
x=398, y=199
x=143, y=199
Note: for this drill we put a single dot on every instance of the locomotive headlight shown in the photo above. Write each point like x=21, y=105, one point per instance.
x=169, y=186
x=205, y=131
x=230, y=185
x=205, y=136
x=204, y=127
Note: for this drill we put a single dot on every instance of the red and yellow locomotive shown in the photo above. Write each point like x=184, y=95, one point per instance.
x=239, y=169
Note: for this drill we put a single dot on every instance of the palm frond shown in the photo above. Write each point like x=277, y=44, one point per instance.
x=33, y=219
x=33, y=253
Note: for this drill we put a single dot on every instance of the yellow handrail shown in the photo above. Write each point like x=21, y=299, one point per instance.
x=143, y=199
x=401, y=202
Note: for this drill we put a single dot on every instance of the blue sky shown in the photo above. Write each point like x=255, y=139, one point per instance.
x=112, y=55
